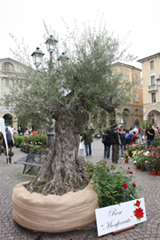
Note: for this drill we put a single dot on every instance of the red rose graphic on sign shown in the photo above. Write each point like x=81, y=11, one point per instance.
x=137, y=203
x=138, y=213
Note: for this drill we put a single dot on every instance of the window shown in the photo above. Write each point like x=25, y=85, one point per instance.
x=135, y=78
x=7, y=66
x=136, y=112
x=153, y=80
x=153, y=97
x=152, y=65
x=136, y=97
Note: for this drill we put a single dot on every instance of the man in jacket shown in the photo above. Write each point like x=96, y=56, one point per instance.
x=150, y=133
x=115, y=144
x=87, y=138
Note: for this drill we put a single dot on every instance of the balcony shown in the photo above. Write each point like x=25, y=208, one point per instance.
x=152, y=88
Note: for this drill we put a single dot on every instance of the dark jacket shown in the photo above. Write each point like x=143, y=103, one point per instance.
x=106, y=139
x=122, y=137
x=114, y=137
x=150, y=137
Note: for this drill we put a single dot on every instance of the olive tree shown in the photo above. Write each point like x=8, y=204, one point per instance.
x=69, y=93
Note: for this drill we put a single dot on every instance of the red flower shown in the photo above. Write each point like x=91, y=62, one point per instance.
x=131, y=172
x=134, y=185
x=128, y=167
x=125, y=186
x=138, y=213
x=137, y=203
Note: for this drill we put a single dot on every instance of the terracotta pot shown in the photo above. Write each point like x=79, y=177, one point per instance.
x=126, y=160
x=153, y=172
x=130, y=154
x=137, y=167
x=158, y=172
x=143, y=168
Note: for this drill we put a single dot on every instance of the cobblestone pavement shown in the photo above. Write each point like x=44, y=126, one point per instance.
x=10, y=174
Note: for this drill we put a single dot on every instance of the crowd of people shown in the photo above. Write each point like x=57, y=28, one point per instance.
x=119, y=138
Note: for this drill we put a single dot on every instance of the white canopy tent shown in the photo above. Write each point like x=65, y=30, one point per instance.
x=3, y=130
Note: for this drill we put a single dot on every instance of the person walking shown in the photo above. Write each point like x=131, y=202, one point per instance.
x=122, y=138
x=106, y=140
x=9, y=142
x=87, y=138
x=150, y=133
x=115, y=143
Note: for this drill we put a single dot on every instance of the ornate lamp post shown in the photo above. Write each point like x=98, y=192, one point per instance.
x=37, y=57
x=37, y=60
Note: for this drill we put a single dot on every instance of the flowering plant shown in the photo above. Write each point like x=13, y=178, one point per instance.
x=153, y=161
x=10, y=153
x=113, y=186
x=126, y=156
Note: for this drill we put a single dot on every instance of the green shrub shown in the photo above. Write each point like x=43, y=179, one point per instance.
x=112, y=186
x=18, y=140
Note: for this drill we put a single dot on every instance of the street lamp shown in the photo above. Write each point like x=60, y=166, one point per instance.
x=63, y=58
x=51, y=43
x=37, y=60
x=37, y=57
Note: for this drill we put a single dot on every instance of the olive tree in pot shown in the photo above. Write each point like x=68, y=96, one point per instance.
x=69, y=93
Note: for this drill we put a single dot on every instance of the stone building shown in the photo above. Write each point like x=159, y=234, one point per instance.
x=8, y=70
x=151, y=88
x=131, y=114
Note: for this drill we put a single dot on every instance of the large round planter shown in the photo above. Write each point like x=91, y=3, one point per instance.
x=53, y=213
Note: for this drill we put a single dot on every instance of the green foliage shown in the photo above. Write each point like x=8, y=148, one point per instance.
x=36, y=139
x=79, y=86
x=144, y=124
x=156, y=142
x=153, y=159
x=126, y=156
x=18, y=140
x=112, y=186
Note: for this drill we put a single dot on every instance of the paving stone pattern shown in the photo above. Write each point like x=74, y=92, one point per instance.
x=11, y=174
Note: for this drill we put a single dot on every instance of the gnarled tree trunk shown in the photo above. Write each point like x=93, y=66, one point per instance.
x=62, y=171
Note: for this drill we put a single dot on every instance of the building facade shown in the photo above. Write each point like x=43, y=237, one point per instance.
x=131, y=114
x=8, y=70
x=151, y=88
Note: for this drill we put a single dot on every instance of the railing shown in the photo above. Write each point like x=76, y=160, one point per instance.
x=152, y=88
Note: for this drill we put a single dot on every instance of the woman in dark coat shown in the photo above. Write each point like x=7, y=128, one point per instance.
x=106, y=140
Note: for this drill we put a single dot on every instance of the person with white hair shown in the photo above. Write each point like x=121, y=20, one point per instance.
x=135, y=130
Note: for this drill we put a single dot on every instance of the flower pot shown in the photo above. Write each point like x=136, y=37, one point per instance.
x=153, y=172
x=158, y=172
x=137, y=167
x=53, y=213
x=143, y=168
x=130, y=154
x=126, y=160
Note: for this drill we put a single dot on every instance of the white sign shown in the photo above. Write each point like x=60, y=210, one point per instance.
x=117, y=217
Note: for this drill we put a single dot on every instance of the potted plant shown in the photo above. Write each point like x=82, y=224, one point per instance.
x=126, y=157
x=112, y=187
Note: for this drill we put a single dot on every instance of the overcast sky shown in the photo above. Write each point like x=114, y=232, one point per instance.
x=24, y=19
